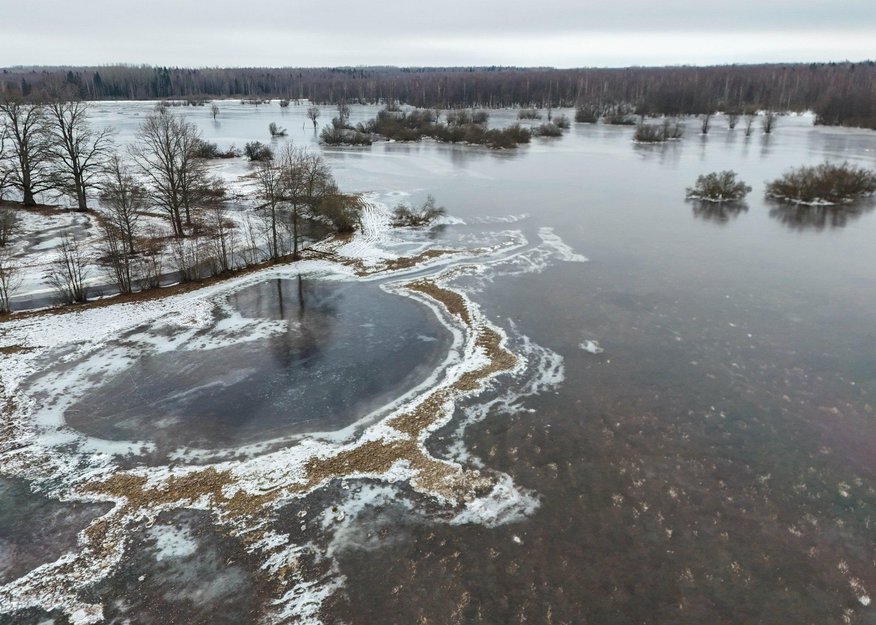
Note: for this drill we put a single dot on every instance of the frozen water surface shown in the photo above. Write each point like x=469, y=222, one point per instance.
x=339, y=351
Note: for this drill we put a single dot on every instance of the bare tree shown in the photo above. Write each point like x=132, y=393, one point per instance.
x=123, y=197
x=270, y=179
x=68, y=271
x=706, y=120
x=750, y=116
x=307, y=179
x=116, y=259
x=313, y=114
x=223, y=239
x=166, y=155
x=214, y=110
x=9, y=279
x=79, y=151
x=27, y=156
x=5, y=173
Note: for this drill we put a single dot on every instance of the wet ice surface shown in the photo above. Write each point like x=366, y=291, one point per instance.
x=340, y=351
x=35, y=529
x=715, y=463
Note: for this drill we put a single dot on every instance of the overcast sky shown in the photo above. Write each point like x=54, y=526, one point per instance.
x=560, y=33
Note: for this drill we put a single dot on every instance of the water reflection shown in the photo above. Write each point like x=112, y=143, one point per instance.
x=345, y=350
x=817, y=218
x=719, y=212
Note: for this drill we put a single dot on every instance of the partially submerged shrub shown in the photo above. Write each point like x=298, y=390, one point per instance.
x=823, y=184
x=587, y=113
x=547, y=130
x=658, y=133
x=528, y=114
x=275, y=130
x=561, y=121
x=405, y=215
x=718, y=187
x=258, y=151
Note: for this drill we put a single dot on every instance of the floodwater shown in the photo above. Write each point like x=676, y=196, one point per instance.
x=715, y=463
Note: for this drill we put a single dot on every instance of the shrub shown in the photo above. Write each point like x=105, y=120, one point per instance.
x=275, y=130
x=528, y=114
x=823, y=184
x=547, y=130
x=620, y=115
x=718, y=187
x=658, y=133
x=258, y=151
x=587, y=113
x=8, y=226
x=209, y=150
x=561, y=121
x=405, y=215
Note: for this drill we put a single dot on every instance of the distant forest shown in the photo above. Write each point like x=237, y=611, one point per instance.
x=839, y=93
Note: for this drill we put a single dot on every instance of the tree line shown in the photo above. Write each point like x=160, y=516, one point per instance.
x=839, y=93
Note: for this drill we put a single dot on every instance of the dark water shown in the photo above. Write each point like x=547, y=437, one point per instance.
x=717, y=463
x=348, y=349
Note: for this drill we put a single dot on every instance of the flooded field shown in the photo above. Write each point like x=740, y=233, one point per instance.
x=679, y=430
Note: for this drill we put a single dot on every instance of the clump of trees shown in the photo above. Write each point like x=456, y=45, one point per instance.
x=414, y=216
x=826, y=183
x=294, y=186
x=338, y=135
x=718, y=187
x=461, y=127
x=669, y=130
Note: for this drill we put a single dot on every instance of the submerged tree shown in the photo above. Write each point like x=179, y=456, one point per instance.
x=313, y=114
x=80, y=152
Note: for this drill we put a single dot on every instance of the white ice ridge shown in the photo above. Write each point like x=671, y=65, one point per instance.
x=563, y=251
